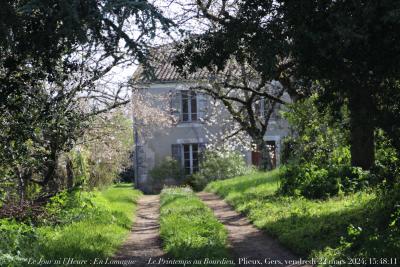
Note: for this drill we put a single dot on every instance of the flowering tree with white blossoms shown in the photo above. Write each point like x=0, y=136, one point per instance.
x=250, y=101
x=223, y=133
x=151, y=111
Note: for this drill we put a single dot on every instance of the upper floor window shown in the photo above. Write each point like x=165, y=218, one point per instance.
x=189, y=106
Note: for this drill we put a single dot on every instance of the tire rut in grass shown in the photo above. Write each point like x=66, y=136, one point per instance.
x=143, y=243
x=247, y=242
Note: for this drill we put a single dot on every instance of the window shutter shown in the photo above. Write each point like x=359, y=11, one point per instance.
x=175, y=104
x=177, y=153
x=202, y=106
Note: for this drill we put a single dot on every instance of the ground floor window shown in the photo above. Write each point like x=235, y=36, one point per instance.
x=188, y=156
x=191, y=158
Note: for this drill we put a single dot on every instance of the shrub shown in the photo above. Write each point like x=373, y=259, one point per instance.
x=377, y=239
x=312, y=181
x=318, y=155
x=167, y=172
x=106, y=152
x=218, y=165
x=352, y=179
x=198, y=181
x=309, y=181
x=67, y=207
x=320, y=138
x=83, y=225
x=18, y=242
x=168, y=169
x=387, y=163
x=98, y=232
x=80, y=163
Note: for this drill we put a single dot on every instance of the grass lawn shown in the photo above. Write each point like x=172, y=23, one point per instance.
x=99, y=234
x=189, y=229
x=305, y=226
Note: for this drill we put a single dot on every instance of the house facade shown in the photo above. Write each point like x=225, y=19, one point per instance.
x=186, y=138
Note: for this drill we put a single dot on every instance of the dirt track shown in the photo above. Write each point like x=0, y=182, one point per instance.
x=143, y=243
x=247, y=243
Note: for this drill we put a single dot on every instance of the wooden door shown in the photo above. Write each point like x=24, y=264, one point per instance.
x=256, y=155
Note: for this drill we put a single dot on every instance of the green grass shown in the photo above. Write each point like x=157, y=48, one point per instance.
x=305, y=226
x=97, y=235
x=189, y=229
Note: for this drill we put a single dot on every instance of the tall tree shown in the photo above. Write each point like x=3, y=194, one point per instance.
x=233, y=34
x=350, y=49
x=43, y=32
x=250, y=101
x=54, y=57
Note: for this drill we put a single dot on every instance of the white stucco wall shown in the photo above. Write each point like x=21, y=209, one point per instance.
x=158, y=146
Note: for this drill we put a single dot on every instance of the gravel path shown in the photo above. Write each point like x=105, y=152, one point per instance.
x=144, y=243
x=248, y=244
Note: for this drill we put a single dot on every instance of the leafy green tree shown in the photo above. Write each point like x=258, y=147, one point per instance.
x=320, y=138
x=348, y=51
x=241, y=73
x=352, y=48
x=40, y=33
x=53, y=55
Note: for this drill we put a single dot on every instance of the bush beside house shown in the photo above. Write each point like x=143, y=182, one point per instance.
x=215, y=165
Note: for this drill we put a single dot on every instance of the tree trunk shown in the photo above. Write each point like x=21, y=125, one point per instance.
x=21, y=185
x=24, y=175
x=362, y=144
x=266, y=163
x=51, y=165
x=70, y=173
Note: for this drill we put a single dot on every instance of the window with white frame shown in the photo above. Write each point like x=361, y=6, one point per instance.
x=189, y=106
x=188, y=156
x=191, y=158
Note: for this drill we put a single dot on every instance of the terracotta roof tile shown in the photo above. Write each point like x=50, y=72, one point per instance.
x=162, y=69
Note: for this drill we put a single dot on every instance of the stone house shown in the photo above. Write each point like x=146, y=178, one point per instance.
x=188, y=136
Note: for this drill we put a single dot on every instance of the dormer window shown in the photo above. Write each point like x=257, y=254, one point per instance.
x=189, y=106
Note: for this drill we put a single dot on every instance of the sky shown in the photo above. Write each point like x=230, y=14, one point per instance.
x=180, y=11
